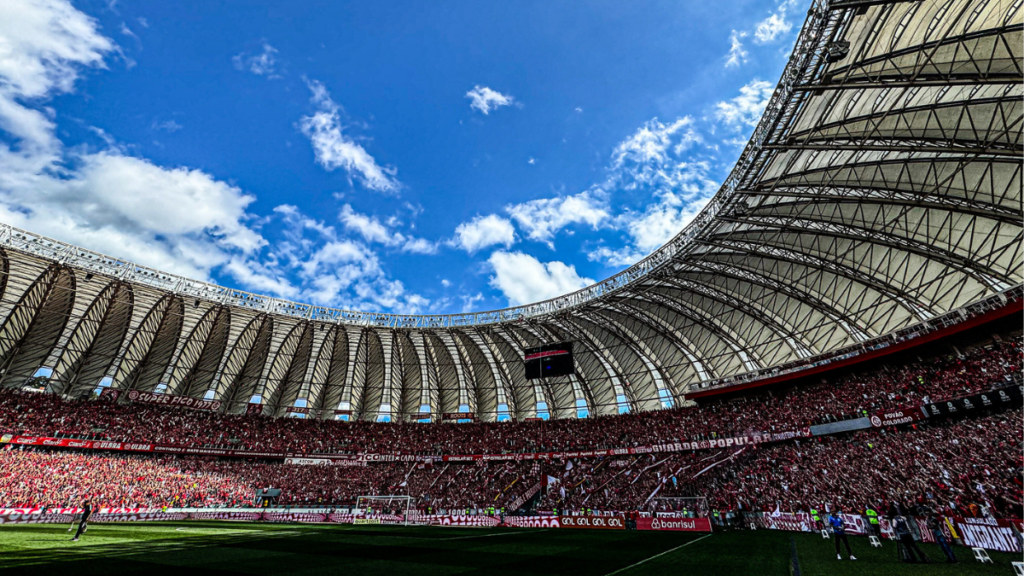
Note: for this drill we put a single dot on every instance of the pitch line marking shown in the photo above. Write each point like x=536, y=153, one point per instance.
x=657, y=555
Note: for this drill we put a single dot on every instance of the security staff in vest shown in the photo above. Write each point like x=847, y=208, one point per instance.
x=816, y=519
x=873, y=525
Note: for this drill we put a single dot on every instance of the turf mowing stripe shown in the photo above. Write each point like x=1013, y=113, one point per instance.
x=794, y=566
x=658, y=555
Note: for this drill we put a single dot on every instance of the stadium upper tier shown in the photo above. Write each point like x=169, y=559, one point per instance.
x=881, y=188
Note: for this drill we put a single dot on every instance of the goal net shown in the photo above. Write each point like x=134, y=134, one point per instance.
x=679, y=507
x=389, y=505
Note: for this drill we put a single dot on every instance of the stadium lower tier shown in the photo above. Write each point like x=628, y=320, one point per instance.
x=970, y=467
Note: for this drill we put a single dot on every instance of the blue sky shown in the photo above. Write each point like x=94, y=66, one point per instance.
x=421, y=157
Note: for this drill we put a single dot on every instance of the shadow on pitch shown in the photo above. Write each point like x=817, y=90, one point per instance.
x=135, y=549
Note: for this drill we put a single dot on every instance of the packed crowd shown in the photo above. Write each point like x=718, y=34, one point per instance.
x=890, y=387
x=54, y=479
x=966, y=468
x=969, y=467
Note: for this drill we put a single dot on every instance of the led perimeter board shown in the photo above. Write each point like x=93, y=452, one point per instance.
x=549, y=360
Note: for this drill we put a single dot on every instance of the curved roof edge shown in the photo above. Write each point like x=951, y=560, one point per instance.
x=805, y=55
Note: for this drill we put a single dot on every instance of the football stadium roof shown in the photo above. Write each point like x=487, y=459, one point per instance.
x=880, y=190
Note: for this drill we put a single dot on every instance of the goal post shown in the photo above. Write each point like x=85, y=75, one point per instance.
x=398, y=505
x=685, y=507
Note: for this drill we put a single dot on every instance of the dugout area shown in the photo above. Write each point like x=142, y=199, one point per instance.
x=197, y=547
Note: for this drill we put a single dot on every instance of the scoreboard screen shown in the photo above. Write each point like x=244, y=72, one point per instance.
x=549, y=360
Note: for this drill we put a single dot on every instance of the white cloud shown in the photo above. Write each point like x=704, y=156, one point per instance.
x=645, y=157
x=745, y=110
x=338, y=271
x=419, y=246
x=737, y=55
x=128, y=31
x=624, y=256
x=664, y=219
x=579, y=110
x=178, y=219
x=333, y=149
x=166, y=126
x=372, y=230
x=772, y=27
x=182, y=220
x=262, y=64
x=657, y=158
x=43, y=44
x=676, y=206
x=664, y=161
x=262, y=278
x=484, y=231
x=523, y=279
x=484, y=99
x=368, y=227
x=542, y=218
x=469, y=302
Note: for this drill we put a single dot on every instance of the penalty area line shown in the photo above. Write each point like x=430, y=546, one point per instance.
x=658, y=555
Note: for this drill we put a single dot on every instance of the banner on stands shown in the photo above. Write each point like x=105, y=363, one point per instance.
x=323, y=462
x=67, y=515
x=294, y=517
x=594, y=522
x=743, y=440
x=110, y=395
x=675, y=524
x=460, y=520
x=897, y=417
x=798, y=522
x=171, y=400
x=533, y=521
x=372, y=458
x=989, y=533
x=227, y=515
x=1006, y=396
x=459, y=416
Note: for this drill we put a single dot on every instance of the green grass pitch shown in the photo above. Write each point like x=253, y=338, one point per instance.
x=260, y=548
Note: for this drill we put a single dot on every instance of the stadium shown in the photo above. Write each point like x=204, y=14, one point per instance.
x=832, y=347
